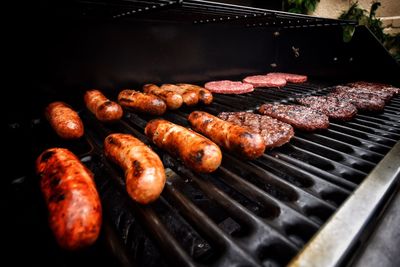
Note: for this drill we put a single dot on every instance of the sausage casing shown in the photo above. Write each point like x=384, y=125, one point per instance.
x=190, y=97
x=73, y=203
x=233, y=137
x=195, y=150
x=172, y=99
x=104, y=109
x=142, y=102
x=64, y=120
x=205, y=96
x=144, y=171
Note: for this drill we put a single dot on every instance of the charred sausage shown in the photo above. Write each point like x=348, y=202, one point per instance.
x=104, y=109
x=196, y=151
x=205, y=96
x=144, y=171
x=141, y=102
x=190, y=97
x=64, y=120
x=73, y=203
x=172, y=99
x=233, y=137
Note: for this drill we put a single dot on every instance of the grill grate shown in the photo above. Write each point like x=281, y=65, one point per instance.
x=252, y=213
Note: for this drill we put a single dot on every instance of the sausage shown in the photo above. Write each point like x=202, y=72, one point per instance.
x=196, y=151
x=233, y=137
x=190, y=97
x=64, y=120
x=205, y=96
x=104, y=109
x=140, y=102
x=144, y=171
x=75, y=212
x=173, y=100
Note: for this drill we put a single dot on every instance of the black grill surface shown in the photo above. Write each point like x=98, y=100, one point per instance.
x=247, y=213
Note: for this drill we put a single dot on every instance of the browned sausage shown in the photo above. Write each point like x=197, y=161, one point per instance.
x=205, y=96
x=73, y=203
x=141, y=102
x=144, y=171
x=64, y=120
x=173, y=100
x=233, y=137
x=196, y=151
x=190, y=97
x=104, y=109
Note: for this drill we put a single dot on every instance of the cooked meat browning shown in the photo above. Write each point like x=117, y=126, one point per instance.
x=142, y=102
x=104, y=109
x=190, y=97
x=300, y=117
x=73, y=203
x=64, y=120
x=384, y=95
x=362, y=101
x=196, y=151
x=376, y=87
x=275, y=133
x=172, y=99
x=333, y=107
x=234, y=138
x=205, y=96
x=144, y=171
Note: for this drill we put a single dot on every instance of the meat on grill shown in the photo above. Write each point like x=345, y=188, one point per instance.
x=172, y=99
x=104, y=109
x=64, y=120
x=300, y=117
x=196, y=151
x=362, y=101
x=144, y=171
x=142, y=102
x=376, y=87
x=265, y=81
x=333, y=107
x=190, y=97
x=229, y=87
x=292, y=78
x=275, y=133
x=72, y=200
x=205, y=96
x=384, y=95
x=234, y=138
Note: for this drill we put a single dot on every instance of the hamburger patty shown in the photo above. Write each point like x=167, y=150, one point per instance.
x=331, y=106
x=274, y=132
x=300, y=117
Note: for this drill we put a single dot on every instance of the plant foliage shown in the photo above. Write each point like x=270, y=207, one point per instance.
x=355, y=12
x=301, y=6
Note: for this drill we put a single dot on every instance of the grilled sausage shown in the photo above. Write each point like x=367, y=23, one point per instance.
x=205, y=96
x=73, y=203
x=104, y=109
x=196, y=151
x=233, y=137
x=173, y=100
x=144, y=171
x=190, y=97
x=140, y=102
x=64, y=120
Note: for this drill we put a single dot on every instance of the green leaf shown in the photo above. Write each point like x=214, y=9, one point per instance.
x=295, y=10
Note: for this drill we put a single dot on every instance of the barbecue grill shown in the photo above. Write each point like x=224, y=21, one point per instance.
x=307, y=203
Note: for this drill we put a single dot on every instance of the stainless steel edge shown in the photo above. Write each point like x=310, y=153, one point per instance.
x=332, y=242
